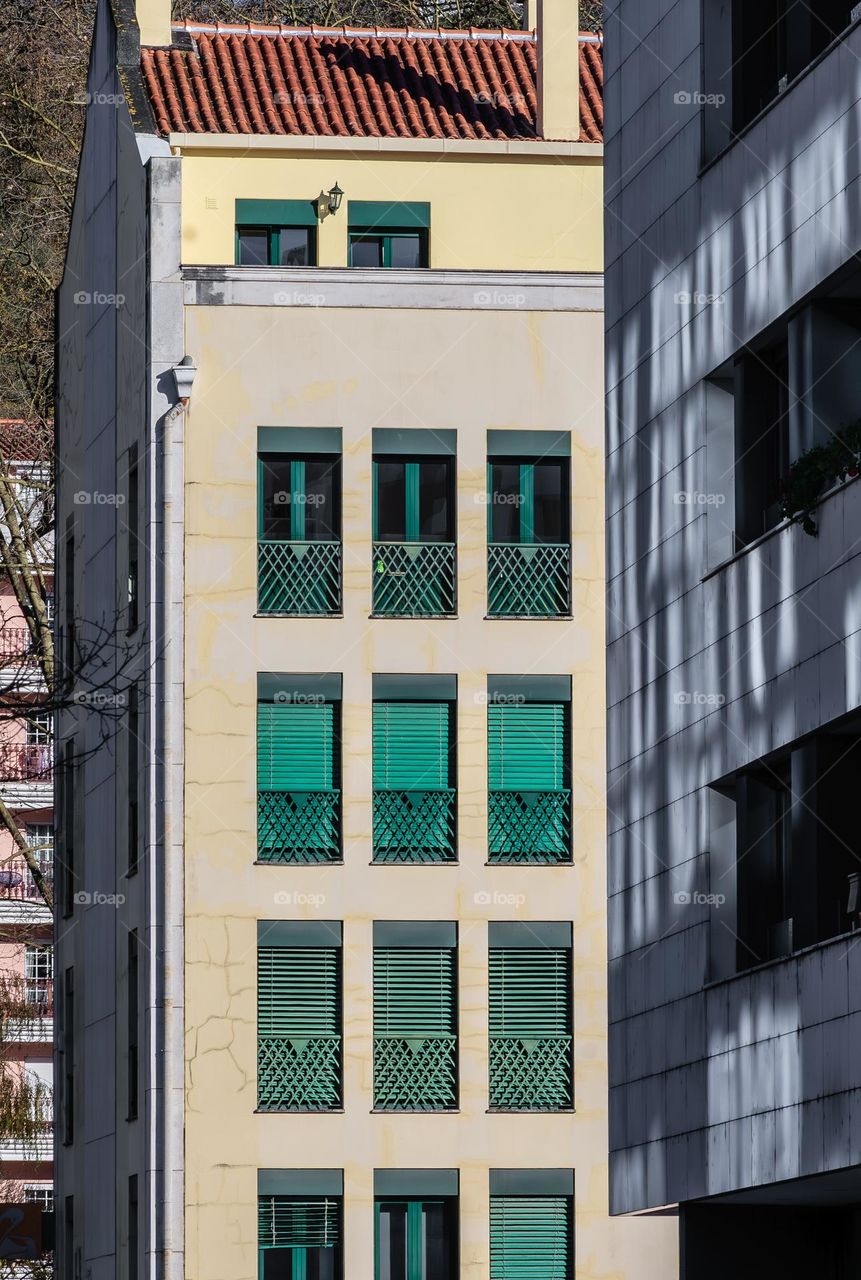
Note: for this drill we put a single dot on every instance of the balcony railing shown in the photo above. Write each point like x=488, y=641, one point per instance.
x=531, y=1075
x=528, y=580
x=415, y=1073
x=298, y=1073
x=298, y=826
x=529, y=826
x=16, y=643
x=414, y=579
x=299, y=578
x=17, y=883
x=39, y=995
x=26, y=762
x=414, y=826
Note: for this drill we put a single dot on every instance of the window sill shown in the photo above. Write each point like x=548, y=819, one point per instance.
x=531, y=866
x=411, y=866
x=301, y=1111
x=528, y=617
x=842, y=938
x=781, y=97
x=443, y=1111
x=413, y=617
x=310, y=617
x=313, y=866
x=535, y=1111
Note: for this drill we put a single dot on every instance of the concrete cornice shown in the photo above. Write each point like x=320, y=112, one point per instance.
x=283, y=144
x=411, y=290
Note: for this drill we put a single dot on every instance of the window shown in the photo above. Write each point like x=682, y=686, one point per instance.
x=40, y=1195
x=300, y=1224
x=133, y=1227
x=298, y=769
x=68, y=1057
x=39, y=977
x=528, y=525
x=70, y=646
x=388, y=235
x=68, y=809
x=299, y=522
x=69, y=1239
x=531, y=1224
x=40, y=838
x=40, y=728
x=528, y=757
x=132, y=537
x=276, y=233
x=762, y=439
x=414, y=769
x=415, y=1016
x=132, y=1016
x=298, y=1016
x=133, y=781
x=531, y=1042
x=416, y=1239
x=414, y=549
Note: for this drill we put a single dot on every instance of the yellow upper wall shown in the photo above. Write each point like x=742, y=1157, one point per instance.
x=494, y=211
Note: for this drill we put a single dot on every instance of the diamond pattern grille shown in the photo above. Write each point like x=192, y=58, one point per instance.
x=299, y=577
x=415, y=1074
x=298, y=1074
x=414, y=579
x=298, y=826
x=531, y=580
x=414, y=826
x=529, y=826
x=530, y=1075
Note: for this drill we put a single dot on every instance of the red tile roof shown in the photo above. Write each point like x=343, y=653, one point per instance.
x=358, y=83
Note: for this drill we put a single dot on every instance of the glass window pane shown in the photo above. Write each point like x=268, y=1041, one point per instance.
x=406, y=251
x=393, y=1242
x=505, y=502
x=435, y=1251
x=275, y=477
x=321, y=1264
x=366, y=251
x=295, y=245
x=391, y=501
x=322, y=491
x=254, y=248
x=550, y=518
x=434, y=504
x=277, y=1264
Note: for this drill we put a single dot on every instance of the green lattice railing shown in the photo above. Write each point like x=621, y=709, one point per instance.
x=414, y=579
x=531, y=1075
x=298, y=826
x=414, y=826
x=298, y=1074
x=528, y=580
x=415, y=1074
x=298, y=577
x=529, y=826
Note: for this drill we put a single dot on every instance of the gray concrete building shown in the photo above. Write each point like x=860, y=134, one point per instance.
x=734, y=670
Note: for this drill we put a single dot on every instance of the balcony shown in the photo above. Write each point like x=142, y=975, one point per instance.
x=414, y=826
x=26, y=762
x=528, y=580
x=298, y=1073
x=415, y=1073
x=531, y=1075
x=300, y=579
x=298, y=826
x=414, y=579
x=529, y=826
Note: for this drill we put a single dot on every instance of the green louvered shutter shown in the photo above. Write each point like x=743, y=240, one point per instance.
x=295, y=746
x=526, y=746
x=411, y=745
x=298, y=801
x=298, y=1027
x=415, y=1028
x=293, y=1222
x=530, y=1238
x=530, y=1018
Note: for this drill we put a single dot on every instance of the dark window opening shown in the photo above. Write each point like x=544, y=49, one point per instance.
x=300, y=497
x=404, y=249
x=276, y=246
x=133, y=1227
x=70, y=637
x=68, y=1052
x=762, y=439
x=416, y=1238
x=132, y=534
x=529, y=501
x=68, y=811
x=133, y=766
x=413, y=500
x=132, y=1025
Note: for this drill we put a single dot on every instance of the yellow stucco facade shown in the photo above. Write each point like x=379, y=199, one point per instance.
x=493, y=359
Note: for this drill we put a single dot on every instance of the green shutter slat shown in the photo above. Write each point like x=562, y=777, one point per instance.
x=298, y=991
x=290, y=1222
x=530, y=992
x=414, y=991
x=526, y=746
x=530, y=1238
x=295, y=746
x=411, y=745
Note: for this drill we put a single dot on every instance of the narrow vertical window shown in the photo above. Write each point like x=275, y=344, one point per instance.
x=68, y=811
x=132, y=517
x=69, y=1238
x=69, y=626
x=134, y=1227
x=133, y=1014
x=133, y=766
x=68, y=1050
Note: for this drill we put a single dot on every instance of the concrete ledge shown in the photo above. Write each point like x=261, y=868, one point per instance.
x=243, y=143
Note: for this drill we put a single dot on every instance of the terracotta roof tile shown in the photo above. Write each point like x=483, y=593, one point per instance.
x=358, y=83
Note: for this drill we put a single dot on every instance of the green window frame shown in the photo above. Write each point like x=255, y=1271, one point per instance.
x=530, y=1017
x=389, y=243
x=529, y=532
x=415, y=1022
x=414, y=1245
x=299, y=1237
x=299, y=1019
x=525, y=505
x=415, y=569
x=414, y=779
x=529, y=779
x=272, y=217
x=298, y=778
x=413, y=489
x=531, y=1237
x=298, y=524
x=387, y=223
